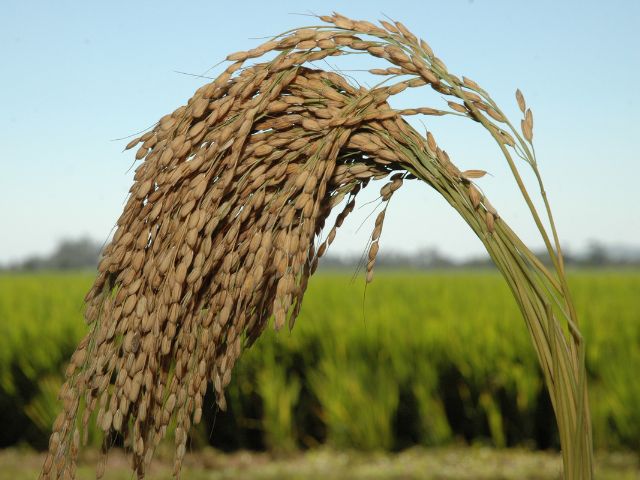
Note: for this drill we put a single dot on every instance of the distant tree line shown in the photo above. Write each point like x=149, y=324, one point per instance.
x=78, y=254
x=596, y=255
x=84, y=253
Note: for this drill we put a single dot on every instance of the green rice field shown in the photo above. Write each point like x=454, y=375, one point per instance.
x=418, y=359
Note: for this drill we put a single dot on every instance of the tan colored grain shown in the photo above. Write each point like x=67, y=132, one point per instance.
x=228, y=204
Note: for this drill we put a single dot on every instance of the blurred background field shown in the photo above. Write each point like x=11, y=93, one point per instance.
x=430, y=359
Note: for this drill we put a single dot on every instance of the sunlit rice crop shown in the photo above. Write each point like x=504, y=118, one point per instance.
x=226, y=219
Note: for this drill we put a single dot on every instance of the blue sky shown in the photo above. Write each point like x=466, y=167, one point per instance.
x=76, y=75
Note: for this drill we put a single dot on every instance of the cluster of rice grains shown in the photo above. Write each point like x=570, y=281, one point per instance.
x=221, y=230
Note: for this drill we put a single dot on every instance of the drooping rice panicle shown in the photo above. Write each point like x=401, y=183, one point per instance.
x=221, y=229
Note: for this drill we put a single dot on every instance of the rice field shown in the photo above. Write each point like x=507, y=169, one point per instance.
x=427, y=359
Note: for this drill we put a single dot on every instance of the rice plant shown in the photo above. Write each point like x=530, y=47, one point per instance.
x=225, y=224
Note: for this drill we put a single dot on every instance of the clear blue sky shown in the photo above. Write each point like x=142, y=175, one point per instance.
x=77, y=74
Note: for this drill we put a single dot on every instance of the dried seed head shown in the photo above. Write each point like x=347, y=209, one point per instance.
x=373, y=251
x=507, y=139
x=521, y=103
x=237, y=57
x=439, y=64
x=132, y=143
x=142, y=151
x=495, y=115
x=219, y=232
x=457, y=107
x=490, y=219
x=528, y=118
x=473, y=173
x=390, y=27
x=527, y=130
x=427, y=49
x=199, y=107
x=474, y=196
x=369, y=276
x=431, y=142
x=470, y=83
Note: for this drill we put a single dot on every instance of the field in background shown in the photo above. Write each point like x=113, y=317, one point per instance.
x=418, y=359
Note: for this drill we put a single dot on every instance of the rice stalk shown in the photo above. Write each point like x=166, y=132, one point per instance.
x=223, y=228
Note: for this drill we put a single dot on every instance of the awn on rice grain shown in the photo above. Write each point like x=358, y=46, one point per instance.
x=219, y=234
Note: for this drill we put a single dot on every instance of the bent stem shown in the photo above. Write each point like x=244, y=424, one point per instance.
x=561, y=350
x=546, y=305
